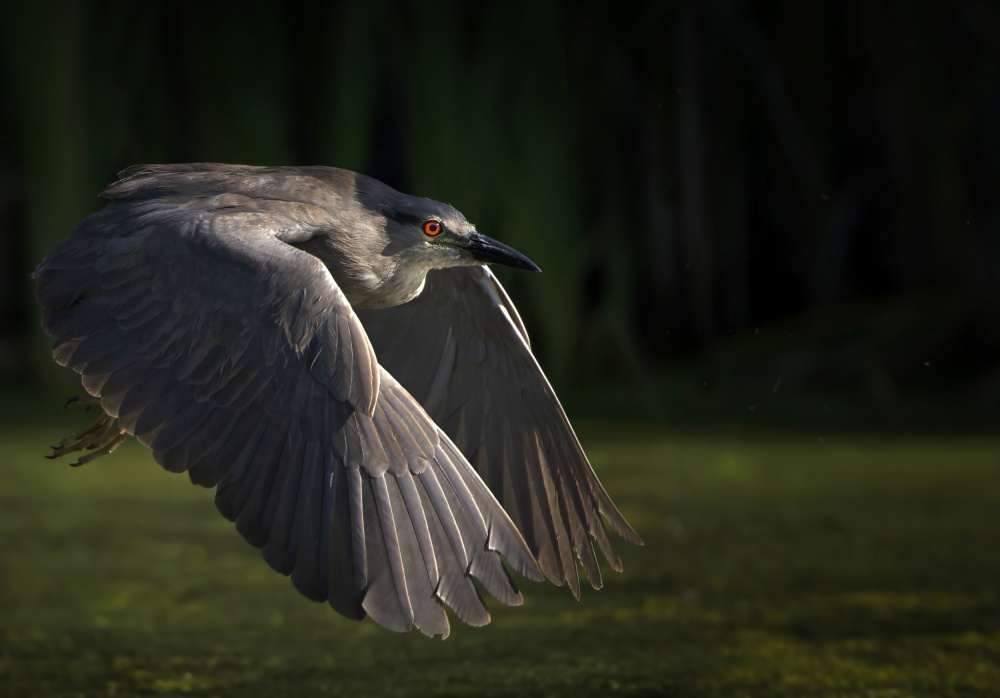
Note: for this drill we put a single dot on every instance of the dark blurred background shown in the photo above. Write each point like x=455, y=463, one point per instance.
x=771, y=213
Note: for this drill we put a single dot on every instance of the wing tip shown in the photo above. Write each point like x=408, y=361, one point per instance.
x=622, y=528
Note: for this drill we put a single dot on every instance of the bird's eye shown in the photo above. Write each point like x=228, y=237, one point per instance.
x=433, y=227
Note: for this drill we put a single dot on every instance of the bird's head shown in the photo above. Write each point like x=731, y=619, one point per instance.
x=436, y=235
x=410, y=236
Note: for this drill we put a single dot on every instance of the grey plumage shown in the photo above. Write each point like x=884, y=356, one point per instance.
x=250, y=325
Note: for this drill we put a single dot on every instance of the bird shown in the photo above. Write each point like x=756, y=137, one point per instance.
x=338, y=360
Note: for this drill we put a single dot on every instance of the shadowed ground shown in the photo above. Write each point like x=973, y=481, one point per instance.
x=775, y=565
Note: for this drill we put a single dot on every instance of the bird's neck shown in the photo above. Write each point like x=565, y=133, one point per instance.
x=394, y=292
x=404, y=283
x=367, y=278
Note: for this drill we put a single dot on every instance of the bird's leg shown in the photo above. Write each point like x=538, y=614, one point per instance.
x=102, y=437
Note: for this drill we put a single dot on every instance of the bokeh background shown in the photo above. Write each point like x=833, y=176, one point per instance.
x=754, y=212
x=770, y=236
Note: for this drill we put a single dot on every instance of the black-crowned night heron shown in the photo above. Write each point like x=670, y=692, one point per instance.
x=334, y=356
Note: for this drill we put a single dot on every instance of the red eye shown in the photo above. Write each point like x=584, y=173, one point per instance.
x=433, y=227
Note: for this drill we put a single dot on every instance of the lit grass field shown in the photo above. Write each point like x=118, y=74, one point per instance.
x=774, y=565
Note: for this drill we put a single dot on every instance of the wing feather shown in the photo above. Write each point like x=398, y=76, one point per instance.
x=489, y=395
x=302, y=505
x=453, y=588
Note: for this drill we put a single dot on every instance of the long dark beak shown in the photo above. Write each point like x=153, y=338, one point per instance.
x=489, y=250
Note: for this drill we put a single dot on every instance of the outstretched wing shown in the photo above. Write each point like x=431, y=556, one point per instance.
x=477, y=378
x=234, y=356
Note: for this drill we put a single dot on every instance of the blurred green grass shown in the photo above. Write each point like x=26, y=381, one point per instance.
x=775, y=564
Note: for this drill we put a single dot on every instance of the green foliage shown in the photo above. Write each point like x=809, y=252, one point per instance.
x=774, y=565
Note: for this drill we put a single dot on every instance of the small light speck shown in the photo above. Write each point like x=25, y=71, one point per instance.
x=824, y=197
x=776, y=385
x=755, y=331
x=927, y=363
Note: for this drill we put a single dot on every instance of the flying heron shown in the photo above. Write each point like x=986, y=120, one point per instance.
x=336, y=358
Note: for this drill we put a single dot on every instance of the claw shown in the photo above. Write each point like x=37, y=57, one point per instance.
x=102, y=437
x=84, y=403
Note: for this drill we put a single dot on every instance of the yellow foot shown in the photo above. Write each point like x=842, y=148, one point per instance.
x=102, y=436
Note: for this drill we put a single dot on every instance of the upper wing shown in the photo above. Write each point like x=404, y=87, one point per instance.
x=236, y=357
x=477, y=378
